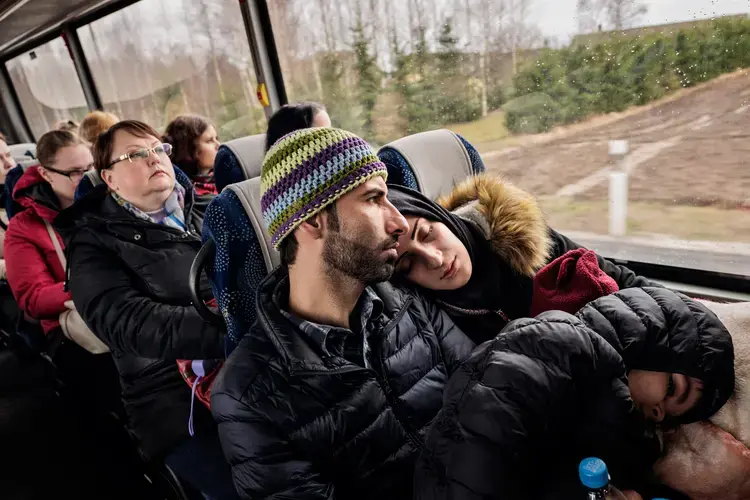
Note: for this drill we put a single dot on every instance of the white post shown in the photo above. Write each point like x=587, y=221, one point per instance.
x=618, y=190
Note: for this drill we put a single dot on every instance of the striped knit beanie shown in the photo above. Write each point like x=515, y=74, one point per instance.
x=309, y=169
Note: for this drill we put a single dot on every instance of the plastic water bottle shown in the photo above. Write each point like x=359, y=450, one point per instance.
x=595, y=477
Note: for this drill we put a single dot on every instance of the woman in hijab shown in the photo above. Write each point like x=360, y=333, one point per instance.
x=476, y=252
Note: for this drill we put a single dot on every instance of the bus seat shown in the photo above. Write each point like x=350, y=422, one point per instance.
x=91, y=179
x=431, y=162
x=11, y=178
x=23, y=152
x=243, y=255
x=239, y=159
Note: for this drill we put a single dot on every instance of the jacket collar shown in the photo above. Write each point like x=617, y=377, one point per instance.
x=293, y=347
x=34, y=193
x=510, y=218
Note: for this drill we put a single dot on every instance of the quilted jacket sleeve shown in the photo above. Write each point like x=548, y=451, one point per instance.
x=130, y=322
x=263, y=465
x=538, y=397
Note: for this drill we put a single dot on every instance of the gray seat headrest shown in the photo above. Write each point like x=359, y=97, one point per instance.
x=249, y=194
x=94, y=177
x=250, y=152
x=18, y=152
x=438, y=159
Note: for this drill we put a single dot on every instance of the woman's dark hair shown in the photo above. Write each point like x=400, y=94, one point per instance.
x=52, y=142
x=102, y=148
x=183, y=133
x=289, y=118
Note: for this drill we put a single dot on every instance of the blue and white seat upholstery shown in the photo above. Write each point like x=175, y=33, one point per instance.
x=239, y=160
x=431, y=162
x=244, y=254
x=24, y=153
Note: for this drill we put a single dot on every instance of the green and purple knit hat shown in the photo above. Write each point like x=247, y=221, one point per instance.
x=309, y=169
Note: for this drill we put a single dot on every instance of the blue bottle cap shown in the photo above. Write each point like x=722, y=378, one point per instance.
x=593, y=473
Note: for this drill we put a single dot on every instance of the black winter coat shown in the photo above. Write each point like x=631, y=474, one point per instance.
x=129, y=282
x=296, y=425
x=527, y=406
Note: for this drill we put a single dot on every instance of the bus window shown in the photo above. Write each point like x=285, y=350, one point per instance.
x=157, y=59
x=541, y=88
x=47, y=86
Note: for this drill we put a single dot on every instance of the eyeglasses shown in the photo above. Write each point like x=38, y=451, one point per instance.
x=143, y=154
x=73, y=175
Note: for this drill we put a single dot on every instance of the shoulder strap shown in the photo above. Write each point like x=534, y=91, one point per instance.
x=56, y=243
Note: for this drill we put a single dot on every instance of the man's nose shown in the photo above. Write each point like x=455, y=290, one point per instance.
x=396, y=224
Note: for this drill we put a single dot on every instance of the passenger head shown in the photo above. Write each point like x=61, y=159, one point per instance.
x=6, y=158
x=323, y=197
x=194, y=144
x=434, y=252
x=94, y=124
x=64, y=158
x=67, y=125
x=134, y=163
x=291, y=117
x=664, y=396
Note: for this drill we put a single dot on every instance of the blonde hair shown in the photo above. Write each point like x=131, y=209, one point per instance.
x=95, y=124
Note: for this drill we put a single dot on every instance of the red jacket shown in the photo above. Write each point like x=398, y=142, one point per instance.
x=35, y=273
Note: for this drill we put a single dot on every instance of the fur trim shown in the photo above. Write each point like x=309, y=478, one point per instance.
x=517, y=229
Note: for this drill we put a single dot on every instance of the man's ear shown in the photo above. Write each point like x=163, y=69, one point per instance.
x=313, y=227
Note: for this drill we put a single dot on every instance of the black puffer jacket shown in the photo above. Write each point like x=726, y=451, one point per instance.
x=295, y=425
x=129, y=281
x=529, y=405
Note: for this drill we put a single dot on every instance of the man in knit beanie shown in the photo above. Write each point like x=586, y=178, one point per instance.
x=331, y=392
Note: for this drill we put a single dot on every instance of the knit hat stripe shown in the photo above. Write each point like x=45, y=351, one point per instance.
x=315, y=181
x=289, y=211
x=330, y=195
x=297, y=145
x=297, y=151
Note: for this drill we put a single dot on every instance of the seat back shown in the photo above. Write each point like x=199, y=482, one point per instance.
x=90, y=180
x=239, y=160
x=11, y=178
x=430, y=162
x=24, y=153
x=244, y=255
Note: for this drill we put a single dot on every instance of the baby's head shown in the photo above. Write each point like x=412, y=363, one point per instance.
x=663, y=396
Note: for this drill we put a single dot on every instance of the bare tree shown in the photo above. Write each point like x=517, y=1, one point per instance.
x=623, y=14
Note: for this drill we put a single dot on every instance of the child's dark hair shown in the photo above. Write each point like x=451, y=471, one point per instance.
x=289, y=118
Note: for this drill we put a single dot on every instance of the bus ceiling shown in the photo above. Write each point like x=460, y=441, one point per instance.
x=26, y=23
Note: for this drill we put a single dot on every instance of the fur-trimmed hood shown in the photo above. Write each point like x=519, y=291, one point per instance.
x=510, y=217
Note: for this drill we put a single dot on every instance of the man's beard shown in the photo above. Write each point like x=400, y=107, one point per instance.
x=358, y=261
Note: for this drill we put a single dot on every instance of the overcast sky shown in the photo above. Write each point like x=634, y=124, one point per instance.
x=558, y=17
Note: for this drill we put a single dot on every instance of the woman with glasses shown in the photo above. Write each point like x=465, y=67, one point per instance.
x=131, y=243
x=36, y=276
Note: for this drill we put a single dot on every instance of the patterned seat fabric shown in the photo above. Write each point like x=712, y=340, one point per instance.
x=239, y=160
x=241, y=259
x=406, y=170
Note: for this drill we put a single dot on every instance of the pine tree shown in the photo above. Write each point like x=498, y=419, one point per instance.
x=368, y=73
